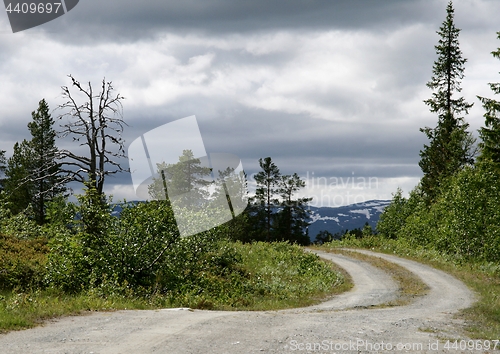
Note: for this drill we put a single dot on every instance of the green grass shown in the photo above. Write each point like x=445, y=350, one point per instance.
x=20, y=310
x=262, y=277
x=483, y=317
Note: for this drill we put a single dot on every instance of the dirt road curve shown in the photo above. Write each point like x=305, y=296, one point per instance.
x=341, y=325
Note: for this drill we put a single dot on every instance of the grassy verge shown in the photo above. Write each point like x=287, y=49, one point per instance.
x=265, y=277
x=261, y=276
x=21, y=310
x=410, y=285
x=483, y=317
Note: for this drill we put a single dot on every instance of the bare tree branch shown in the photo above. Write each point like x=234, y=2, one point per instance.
x=96, y=123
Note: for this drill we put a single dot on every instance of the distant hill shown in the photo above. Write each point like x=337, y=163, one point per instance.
x=334, y=220
x=346, y=217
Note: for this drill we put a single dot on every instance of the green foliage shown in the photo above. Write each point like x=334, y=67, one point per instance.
x=256, y=276
x=32, y=175
x=18, y=189
x=21, y=225
x=469, y=215
x=274, y=212
x=463, y=222
x=291, y=221
x=490, y=134
x=395, y=214
x=44, y=171
x=142, y=242
x=220, y=275
x=184, y=179
x=266, y=192
x=60, y=213
x=324, y=236
x=450, y=146
x=131, y=249
x=22, y=262
x=3, y=166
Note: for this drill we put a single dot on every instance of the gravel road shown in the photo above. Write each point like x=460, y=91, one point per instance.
x=344, y=324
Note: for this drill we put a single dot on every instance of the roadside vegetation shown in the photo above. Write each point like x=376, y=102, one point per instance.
x=225, y=276
x=59, y=257
x=451, y=220
x=482, y=319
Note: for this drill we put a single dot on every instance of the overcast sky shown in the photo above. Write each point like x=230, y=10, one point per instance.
x=329, y=89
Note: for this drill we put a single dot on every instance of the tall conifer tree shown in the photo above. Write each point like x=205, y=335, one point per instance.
x=32, y=173
x=292, y=220
x=3, y=166
x=18, y=189
x=450, y=143
x=45, y=171
x=267, y=188
x=490, y=134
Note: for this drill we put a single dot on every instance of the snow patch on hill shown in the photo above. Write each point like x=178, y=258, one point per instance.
x=347, y=217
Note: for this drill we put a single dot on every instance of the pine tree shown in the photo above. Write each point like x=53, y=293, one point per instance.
x=32, y=173
x=291, y=222
x=490, y=134
x=450, y=144
x=18, y=189
x=45, y=171
x=266, y=192
x=183, y=180
x=3, y=166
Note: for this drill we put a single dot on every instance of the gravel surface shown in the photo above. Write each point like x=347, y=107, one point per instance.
x=348, y=323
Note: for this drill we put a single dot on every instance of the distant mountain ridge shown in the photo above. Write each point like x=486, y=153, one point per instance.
x=348, y=217
x=331, y=219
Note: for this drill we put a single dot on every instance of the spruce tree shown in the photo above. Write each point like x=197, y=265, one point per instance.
x=18, y=189
x=185, y=179
x=490, y=134
x=3, y=166
x=45, y=171
x=32, y=173
x=450, y=144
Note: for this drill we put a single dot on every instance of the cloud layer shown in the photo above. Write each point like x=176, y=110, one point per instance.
x=325, y=87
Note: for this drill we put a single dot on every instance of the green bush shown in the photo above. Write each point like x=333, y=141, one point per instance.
x=234, y=275
x=468, y=214
x=464, y=222
x=22, y=262
x=131, y=249
x=21, y=225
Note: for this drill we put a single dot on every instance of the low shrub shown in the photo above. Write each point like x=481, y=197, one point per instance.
x=22, y=262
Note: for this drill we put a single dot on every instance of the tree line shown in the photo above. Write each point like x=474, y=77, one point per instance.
x=35, y=178
x=456, y=206
x=38, y=171
x=83, y=246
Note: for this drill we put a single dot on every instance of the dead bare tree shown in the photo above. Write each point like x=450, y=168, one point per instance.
x=97, y=123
